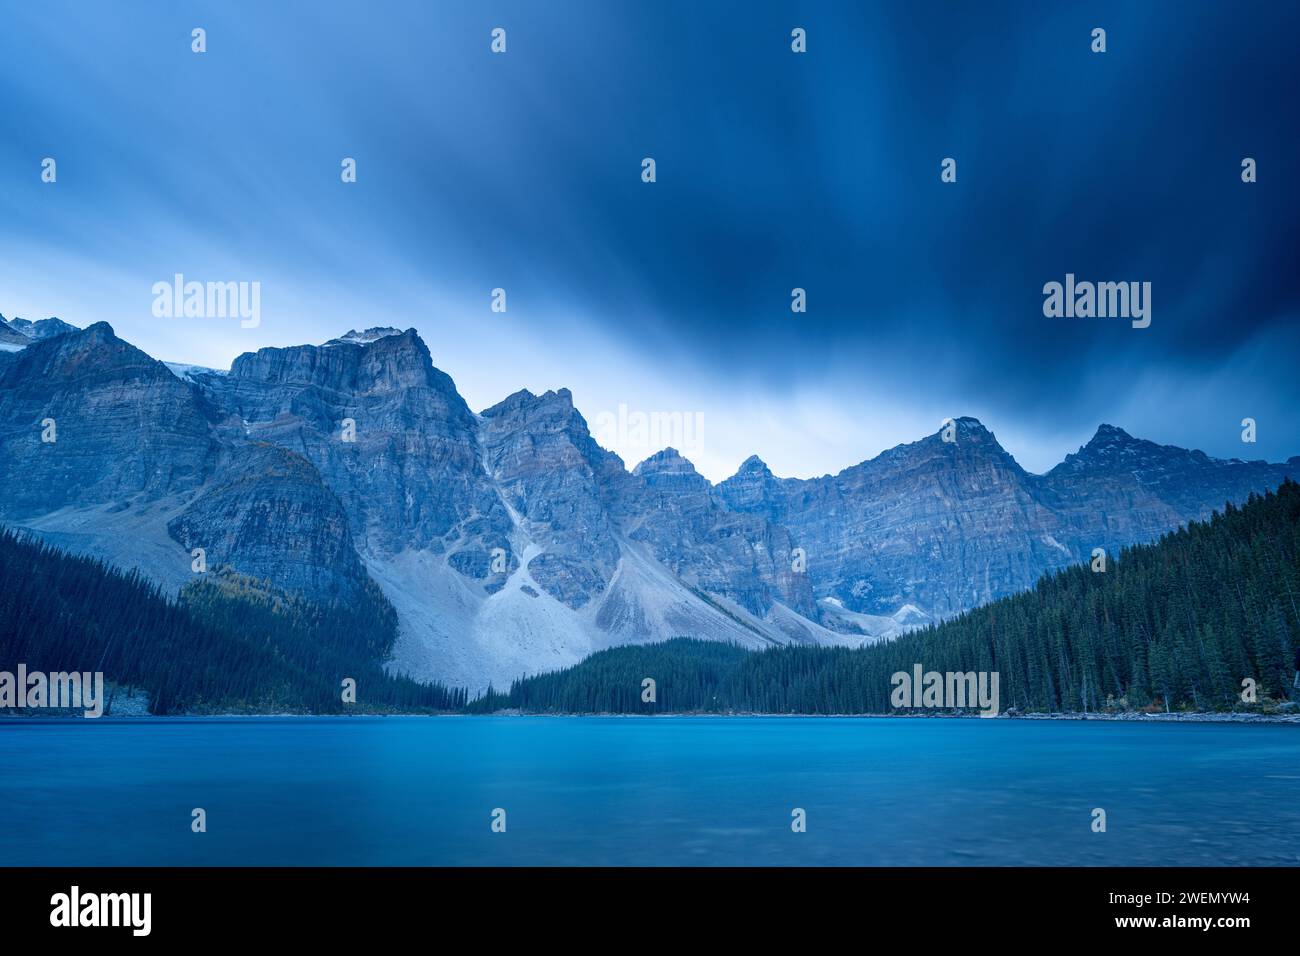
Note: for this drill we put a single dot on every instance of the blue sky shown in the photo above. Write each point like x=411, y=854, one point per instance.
x=775, y=170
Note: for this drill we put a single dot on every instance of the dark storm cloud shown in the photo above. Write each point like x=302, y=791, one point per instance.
x=775, y=170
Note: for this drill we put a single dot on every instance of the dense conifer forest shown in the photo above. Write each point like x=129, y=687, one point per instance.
x=229, y=644
x=1173, y=625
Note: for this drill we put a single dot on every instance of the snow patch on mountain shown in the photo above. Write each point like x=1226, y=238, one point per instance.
x=353, y=337
x=189, y=373
x=1053, y=543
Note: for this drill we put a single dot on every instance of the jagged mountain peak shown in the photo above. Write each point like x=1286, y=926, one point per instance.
x=97, y=333
x=93, y=356
x=514, y=400
x=1112, y=446
x=1108, y=436
x=43, y=329
x=667, y=472
x=971, y=433
x=669, y=461
x=39, y=330
x=97, y=343
x=966, y=438
x=970, y=427
x=753, y=488
x=557, y=397
x=527, y=403
x=1106, y=430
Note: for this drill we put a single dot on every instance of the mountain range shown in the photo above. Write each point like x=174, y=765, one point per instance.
x=508, y=541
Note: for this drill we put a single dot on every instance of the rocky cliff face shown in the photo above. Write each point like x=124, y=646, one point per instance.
x=559, y=486
x=1119, y=490
x=510, y=541
x=692, y=530
x=267, y=510
x=945, y=526
x=86, y=418
x=388, y=433
x=938, y=525
x=139, y=452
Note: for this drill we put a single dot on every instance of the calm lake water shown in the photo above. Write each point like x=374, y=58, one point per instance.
x=662, y=791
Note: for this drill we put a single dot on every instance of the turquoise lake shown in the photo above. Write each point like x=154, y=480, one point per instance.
x=646, y=791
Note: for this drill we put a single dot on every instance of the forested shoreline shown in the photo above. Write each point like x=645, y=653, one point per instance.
x=1175, y=626
x=228, y=644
